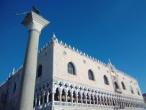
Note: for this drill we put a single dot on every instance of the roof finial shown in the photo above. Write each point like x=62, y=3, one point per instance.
x=109, y=60
x=54, y=38
x=13, y=72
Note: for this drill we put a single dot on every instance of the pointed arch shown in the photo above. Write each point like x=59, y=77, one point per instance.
x=116, y=85
x=123, y=85
x=91, y=75
x=63, y=96
x=39, y=70
x=106, y=81
x=71, y=68
x=57, y=95
x=69, y=96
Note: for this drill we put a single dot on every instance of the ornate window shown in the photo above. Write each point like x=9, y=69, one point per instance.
x=56, y=96
x=45, y=98
x=74, y=97
x=123, y=85
x=37, y=101
x=91, y=75
x=71, y=68
x=132, y=90
x=63, y=95
x=106, y=80
x=116, y=85
x=69, y=96
x=39, y=70
x=14, y=87
x=138, y=92
x=41, y=100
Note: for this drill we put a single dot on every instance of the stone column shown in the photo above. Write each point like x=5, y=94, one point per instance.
x=48, y=97
x=81, y=97
x=86, y=98
x=39, y=101
x=72, y=97
x=35, y=23
x=77, y=98
x=66, y=96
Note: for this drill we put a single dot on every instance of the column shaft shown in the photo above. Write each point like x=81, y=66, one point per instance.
x=29, y=71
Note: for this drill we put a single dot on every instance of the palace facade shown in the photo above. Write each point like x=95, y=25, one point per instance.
x=68, y=79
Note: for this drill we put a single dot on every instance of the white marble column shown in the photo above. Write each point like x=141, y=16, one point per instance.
x=35, y=23
x=48, y=96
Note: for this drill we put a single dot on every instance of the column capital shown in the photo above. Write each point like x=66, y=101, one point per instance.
x=33, y=21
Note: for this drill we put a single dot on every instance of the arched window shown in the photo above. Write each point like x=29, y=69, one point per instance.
x=74, y=97
x=116, y=85
x=138, y=92
x=39, y=70
x=132, y=90
x=56, y=96
x=84, y=98
x=91, y=75
x=45, y=98
x=106, y=80
x=71, y=68
x=63, y=95
x=14, y=87
x=123, y=85
x=69, y=96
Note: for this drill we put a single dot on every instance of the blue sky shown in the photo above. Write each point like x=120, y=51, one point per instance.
x=114, y=29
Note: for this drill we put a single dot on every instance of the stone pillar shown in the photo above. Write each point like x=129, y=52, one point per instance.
x=81, y=97
x=48, y=97
x=39, y=100
x=60, y=96
x=89, y=98
x=66, y=96
x=35, y=23
x=72, y=97
x=86, y=98
x=77, y=98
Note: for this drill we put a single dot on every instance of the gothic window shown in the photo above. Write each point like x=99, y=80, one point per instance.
x=41, y=100
x=132, y=90
x=56, y=96
x=106, y=80
x=37, y=100
x=39, y=70
x=34, y=102
x=14, y=87
x=45, y=98
x=79, y=97
x=102, y=101
x=138, y=92
x=123, y=85
x=88, y=99
x=95, y=99
x=71, y=68
x=92, y=99
x=99, y=100
x=91, y=75
x=116, y=85
x=63, y=96
x=74, y=96
x=69, y=96
x=50, y=97
x=84, y=98
x=105, y=100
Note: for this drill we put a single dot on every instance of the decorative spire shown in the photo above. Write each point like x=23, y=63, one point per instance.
x=109, y=60
x=54, y=38
x=13, y=72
